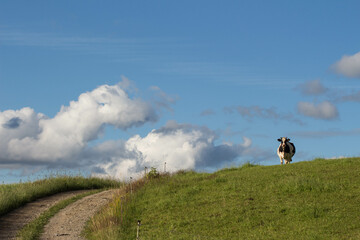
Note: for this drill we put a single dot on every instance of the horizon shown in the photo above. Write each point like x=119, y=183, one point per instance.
x=111, y=88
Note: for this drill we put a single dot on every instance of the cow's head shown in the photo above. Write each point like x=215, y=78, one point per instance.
x=283, y=141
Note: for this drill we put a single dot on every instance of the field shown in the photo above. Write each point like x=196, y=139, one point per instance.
x=306, y=200
x=15, y=195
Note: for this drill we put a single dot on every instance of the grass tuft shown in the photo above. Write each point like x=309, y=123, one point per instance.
x=105, y=225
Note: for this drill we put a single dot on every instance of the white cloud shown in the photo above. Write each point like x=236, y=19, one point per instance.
x=337, y=157
x=349, y=66
x=313, y=87
x=67, y=134
x=181, y=146
x=33, y=140
x=324, y=110
x=247, y=142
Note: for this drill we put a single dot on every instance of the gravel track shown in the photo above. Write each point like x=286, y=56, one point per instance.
x=12, y=222
x=70, y=221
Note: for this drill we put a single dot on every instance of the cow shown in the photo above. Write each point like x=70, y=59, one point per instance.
x=286, y=150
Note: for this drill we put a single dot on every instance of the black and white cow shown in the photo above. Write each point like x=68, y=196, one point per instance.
x=286, y=150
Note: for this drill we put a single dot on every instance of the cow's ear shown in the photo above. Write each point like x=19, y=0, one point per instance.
x=288, y=139
x=279, y=139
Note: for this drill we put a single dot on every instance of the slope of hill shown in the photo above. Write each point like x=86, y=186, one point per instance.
x=306, y=200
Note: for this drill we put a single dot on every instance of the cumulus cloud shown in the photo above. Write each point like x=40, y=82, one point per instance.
x=312, y=88
x=181, y=146
x=34, y=140
x=324, y=110
x=251, y=112
x=67, y=134
x=348, y=66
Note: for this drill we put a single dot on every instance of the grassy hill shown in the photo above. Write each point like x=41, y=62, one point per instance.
x=306, y=200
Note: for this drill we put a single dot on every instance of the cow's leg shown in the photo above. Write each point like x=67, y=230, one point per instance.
x=281, y=160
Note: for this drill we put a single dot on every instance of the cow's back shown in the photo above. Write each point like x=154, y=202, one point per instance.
x=294, y=149
x=290, y=149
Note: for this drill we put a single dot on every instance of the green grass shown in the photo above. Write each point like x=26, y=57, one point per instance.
x=15, y=195
x=306, y=200
x=33, y=230
x=105, y=224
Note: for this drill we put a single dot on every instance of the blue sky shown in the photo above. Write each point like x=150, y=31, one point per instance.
x=207, y=84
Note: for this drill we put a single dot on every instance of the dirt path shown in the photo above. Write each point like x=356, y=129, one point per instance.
x=70, y=221
x=12, y=222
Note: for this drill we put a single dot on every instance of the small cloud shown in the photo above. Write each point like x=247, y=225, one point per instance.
x=229, y=132
x=252, y=112
x=312, y=88
x=337, y=157
x=229, y=110
x=128, y=85
x=348, y=66
x=162, y=99
x=354, y=97
x=247, y=142
x=327, y=133
x=207, y=112
x=324, y=110
x=257, y=111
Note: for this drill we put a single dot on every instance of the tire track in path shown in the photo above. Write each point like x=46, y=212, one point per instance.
x=70, y=221
x=12, y=222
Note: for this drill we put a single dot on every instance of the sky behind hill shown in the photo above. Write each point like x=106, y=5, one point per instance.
x=112, y=87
